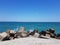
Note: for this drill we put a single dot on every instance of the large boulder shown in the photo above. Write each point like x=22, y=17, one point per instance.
x=34, y=33
x=42, y=33
x=51, y=30
x=10, y=36
x=22, y=32
x=52, y=35
x=48, y=35
x=3, y=35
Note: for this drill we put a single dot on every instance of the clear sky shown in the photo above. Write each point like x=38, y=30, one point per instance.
x=30, y=10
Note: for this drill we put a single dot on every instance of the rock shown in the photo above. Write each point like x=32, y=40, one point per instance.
x=10, y=31
x=6, y=38
x=48, y=35
x=18, y=34
x=43, y=33
x=24, y=34
x=51, y=30
x=32, y=33
x=10, y=34
x=47, y=32
x=1, y=38
x=22, y=29
x=21, y=34
x=3, y=35
x=52, y=35
x=58, y=36
x=35, y=30
x=11, y=38
x=36, y=35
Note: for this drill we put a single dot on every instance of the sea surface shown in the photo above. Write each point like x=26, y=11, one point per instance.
x=4, y=26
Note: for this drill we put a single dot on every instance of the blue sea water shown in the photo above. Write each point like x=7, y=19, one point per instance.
x=4, y=26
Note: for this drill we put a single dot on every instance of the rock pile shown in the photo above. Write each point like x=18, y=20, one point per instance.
x=11, y=34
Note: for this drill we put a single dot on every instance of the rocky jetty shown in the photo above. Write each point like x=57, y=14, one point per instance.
x=22, y=33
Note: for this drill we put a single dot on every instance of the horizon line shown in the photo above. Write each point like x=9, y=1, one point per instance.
x=29, y=21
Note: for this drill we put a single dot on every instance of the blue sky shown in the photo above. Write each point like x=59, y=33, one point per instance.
x=30, y=10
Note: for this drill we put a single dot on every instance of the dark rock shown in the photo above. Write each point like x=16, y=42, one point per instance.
x=11, y=34
x=6, y=38
x=32, y=33
x=42, y=33
x=52, y=35
x=58, y=36
x=51, y=30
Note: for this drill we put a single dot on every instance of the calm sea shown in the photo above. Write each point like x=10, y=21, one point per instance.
x=30, y=26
